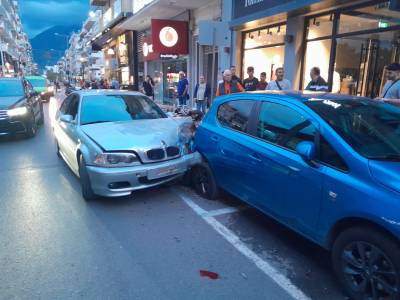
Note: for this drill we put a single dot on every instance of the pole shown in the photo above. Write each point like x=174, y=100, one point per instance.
x=213, y=68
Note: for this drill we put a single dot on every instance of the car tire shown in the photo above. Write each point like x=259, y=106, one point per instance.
x=31, y=127
x=87, y=191
x=41, y=115
x=204, y=183
x=367, y=263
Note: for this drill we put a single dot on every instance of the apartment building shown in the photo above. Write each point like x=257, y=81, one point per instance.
x=15, y=49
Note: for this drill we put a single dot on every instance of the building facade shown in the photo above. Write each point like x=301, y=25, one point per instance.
x=350, y=41
x=15, y=49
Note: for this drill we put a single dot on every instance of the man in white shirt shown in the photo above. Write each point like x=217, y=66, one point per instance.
x=280, y=83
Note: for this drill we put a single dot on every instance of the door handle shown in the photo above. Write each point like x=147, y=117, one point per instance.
x=255, y=157
x=215, y=139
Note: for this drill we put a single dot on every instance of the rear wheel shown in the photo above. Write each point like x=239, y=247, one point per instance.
x=367, y=263
x=41, y=115
x=204, y=182
x=87, y=191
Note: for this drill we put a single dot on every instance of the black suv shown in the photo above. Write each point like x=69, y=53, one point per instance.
x=21, y=110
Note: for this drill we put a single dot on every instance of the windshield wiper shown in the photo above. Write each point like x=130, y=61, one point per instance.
x=389, y=157
x=95, y=122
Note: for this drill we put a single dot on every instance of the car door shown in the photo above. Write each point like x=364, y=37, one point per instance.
x=68, y=141
x=232, y=166
x=289, y=188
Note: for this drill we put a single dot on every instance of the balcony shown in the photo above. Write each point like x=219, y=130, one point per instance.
x=98, y=2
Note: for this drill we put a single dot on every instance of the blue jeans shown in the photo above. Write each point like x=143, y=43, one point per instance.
x=182, y=100
x=201, y=105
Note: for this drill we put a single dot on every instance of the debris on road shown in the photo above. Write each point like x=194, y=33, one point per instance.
x=209, y=274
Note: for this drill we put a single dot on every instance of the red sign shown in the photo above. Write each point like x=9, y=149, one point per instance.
x=170, y=37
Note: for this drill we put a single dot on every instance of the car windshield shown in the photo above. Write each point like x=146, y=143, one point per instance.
x=372, y=128
x=115, y=108
x=11, y=88
x=38, y=82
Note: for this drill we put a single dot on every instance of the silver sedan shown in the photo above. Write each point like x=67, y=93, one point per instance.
x=119, y=141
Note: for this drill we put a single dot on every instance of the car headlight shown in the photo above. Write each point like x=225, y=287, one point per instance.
x=19, y=111
x=185, y=133
x=115, y=160
x=50, y=88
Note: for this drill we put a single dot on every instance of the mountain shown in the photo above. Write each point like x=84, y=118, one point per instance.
x=48, y=47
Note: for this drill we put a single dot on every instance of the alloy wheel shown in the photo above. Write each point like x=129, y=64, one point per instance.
x=369, y=272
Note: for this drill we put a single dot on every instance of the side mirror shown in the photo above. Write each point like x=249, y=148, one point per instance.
x=66, y=119
x=307, y=151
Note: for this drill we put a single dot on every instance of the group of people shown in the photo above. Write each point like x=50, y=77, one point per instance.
x=95, y=84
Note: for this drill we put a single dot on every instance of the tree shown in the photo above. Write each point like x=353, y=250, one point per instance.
x=51, y=76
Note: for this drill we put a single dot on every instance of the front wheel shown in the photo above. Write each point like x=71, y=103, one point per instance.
x=204, y=182
x=87, y=191
x=31, y=127
x=367, y=263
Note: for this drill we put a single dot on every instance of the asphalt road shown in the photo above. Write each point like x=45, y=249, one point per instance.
x=152, y=245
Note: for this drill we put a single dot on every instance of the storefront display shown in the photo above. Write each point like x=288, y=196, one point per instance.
x=352, y=47
x=264, y=49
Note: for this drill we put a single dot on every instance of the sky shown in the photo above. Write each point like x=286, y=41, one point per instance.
x=39, y=15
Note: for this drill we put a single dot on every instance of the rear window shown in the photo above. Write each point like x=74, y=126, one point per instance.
x=38, y=82
x=115, y=108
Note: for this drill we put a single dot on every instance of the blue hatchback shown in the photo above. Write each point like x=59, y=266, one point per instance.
x=327, y=166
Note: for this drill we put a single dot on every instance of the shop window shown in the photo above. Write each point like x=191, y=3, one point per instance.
x=320, y=27
x=265, y=37
x=366, y=18
x=317, y=55
x=264, y=60
x=360, y=62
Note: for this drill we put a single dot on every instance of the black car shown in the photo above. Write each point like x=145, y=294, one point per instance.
x=21, y=110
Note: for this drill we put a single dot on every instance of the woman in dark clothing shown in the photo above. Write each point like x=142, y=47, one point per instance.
x=148, y=86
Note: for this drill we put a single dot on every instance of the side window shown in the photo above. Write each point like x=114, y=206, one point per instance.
x=235, y=114
x=284, y=126
x=73, y=106
x=329, y=156
x=65, y=104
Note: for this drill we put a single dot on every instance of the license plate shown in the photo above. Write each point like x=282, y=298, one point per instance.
x=163, y=172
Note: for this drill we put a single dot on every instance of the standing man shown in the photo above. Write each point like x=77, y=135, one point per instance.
x=115, y=84
x=234, y=77
x=250, y=83
x=280, y=83
x=183, y=88
x=228, y=86
x=317, y=83
x=262, y=85
x=391, y=89
x=202, y=94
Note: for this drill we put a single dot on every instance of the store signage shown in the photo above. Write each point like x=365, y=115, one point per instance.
x=170, y=36
x=243, y=8
x=169, y=56
x=148, y=49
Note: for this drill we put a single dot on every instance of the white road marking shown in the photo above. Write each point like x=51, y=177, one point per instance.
x=235, y=241
x=223, y=211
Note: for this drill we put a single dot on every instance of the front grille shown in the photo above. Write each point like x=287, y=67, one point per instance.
x=3, y=115
x=172, y=151
x=155, y=154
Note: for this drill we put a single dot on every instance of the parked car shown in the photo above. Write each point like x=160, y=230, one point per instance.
x=41, y=85
x=327, y=166
x=21, y=111
x=119, y=141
